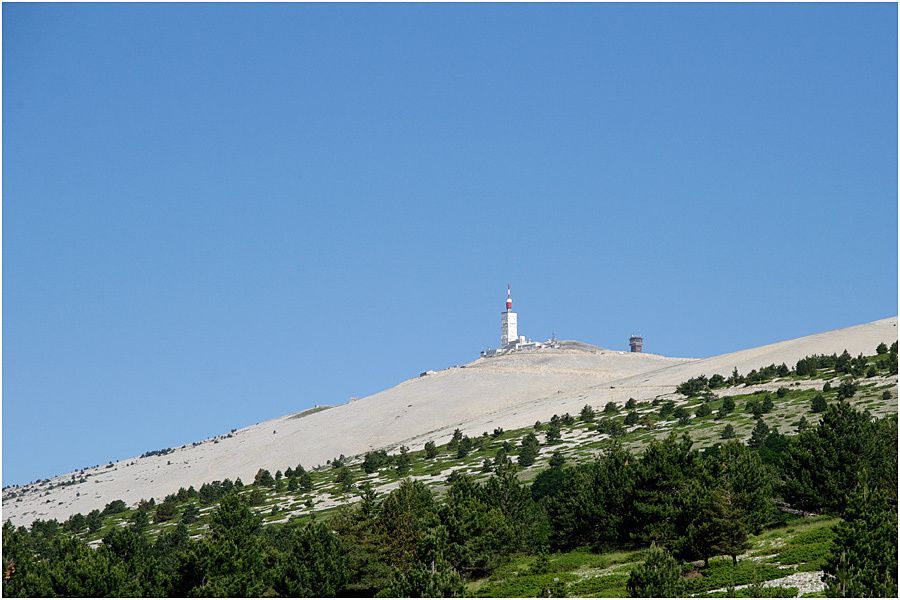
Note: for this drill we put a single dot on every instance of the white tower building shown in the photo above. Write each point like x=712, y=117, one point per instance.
x=509, y=328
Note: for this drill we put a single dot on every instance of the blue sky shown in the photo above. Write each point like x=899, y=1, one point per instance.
x=215, y=215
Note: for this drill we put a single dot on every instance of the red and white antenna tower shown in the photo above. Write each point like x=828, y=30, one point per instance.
x=508, y=298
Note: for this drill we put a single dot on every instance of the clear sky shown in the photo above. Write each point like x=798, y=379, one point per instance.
x=215, y=215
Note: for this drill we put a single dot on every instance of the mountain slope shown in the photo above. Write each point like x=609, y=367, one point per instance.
x=508, y=391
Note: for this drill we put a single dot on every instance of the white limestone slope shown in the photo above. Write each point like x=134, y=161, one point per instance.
x=507, y=391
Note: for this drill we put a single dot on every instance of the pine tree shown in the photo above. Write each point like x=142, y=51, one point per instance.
x=403, y=461
x=315, y=564
x=703, y=411
x=759, y=435
x=529, y=450
x=264, y=478
x=553, y=432
x=587, y=413
x=818, y=403
x=863, y=563
x=430, y=450
x=454, y=441
x=659, y=576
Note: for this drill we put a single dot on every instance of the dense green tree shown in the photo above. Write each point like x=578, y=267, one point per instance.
x=117, y=506
x=487, y=522
x=344, y=478
x=406, y=519
x=758, y=435
x=94, y=521
x=464, y=447
x=727, y=407
x=372, y=461
x=315, y=564
x=822, y=464
x=76, y=523
x=231, y=560
x=818, y=403
x=659, y=475
x=666, y=410
x=430, y=450
x=454, y=441
x=190, y=514
x=588, y=504
x=437, y=579
x=700, y=512
x=404, y=461
x=703, y=411
x=139, y=521
x=587, y=413
x=304, y=479
x=632, y=418
x=83, y=572
x=166, y=510
x=501, y=461
x=847, y=389
x=610, y=427
x=528, y=450
x=659, y=576
x=23, y=574
x=264, y=478
x=863, y=562
x=554, y=434
x=716, y=381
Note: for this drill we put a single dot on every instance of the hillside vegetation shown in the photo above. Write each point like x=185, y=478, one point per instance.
x=779, y=482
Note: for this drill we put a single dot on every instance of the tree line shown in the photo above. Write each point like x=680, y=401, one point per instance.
x=686, y=504
x=885, y=359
